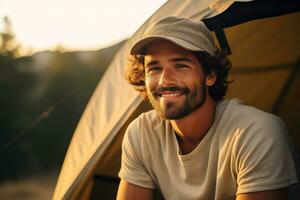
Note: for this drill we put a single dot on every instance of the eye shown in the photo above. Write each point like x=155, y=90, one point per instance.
x=153, y=69
x=181, y=66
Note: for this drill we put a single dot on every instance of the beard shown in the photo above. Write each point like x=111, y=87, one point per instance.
x=193, y=99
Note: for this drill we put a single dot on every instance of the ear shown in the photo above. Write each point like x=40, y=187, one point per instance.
x=211, y=79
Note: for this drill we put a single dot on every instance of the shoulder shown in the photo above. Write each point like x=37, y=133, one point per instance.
x=147, y=121
x=149, y=126
x=249, y=117
x=250, y=127
x=257, y=131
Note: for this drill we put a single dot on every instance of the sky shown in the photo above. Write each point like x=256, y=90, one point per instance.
x=75, y=24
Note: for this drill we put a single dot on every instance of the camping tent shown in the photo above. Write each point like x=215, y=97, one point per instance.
x=263, y=38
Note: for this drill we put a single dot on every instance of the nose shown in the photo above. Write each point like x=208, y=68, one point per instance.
x=167, y=78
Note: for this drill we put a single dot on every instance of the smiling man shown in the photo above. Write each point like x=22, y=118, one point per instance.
x=195, y=144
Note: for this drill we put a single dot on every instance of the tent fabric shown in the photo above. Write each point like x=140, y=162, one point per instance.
x=270, y=60
x=114, y=100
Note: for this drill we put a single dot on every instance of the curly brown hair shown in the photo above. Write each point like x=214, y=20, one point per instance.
x=220, y=64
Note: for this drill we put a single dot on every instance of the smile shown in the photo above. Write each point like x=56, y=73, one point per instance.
x=170, y=92
x=170, y=95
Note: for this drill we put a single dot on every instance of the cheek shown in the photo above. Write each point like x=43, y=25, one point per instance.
x=195, y=80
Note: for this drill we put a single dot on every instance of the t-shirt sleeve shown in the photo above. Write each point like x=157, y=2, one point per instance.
x=263, y=156
x=132, y=167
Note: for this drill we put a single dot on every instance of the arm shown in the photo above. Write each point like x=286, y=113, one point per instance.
x=280, y=194
x=128, y=191
x=265, y=166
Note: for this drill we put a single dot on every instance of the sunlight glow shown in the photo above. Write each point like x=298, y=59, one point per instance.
x=75, y=24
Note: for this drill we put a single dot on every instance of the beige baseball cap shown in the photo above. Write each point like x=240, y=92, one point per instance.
x=189, y=34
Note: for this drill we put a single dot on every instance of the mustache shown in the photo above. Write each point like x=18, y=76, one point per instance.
x=159, y=90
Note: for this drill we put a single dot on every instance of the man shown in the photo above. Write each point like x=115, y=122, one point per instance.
x=195, y=145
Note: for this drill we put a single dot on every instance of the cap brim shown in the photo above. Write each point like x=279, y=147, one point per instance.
x=140, y=47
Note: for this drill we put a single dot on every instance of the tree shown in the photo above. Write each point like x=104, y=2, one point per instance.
x=9, y=46
x=15, y=110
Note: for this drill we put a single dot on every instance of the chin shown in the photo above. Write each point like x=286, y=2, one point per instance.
x=174, y=115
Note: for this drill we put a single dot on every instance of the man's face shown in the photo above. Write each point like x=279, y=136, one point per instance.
x=175, y=82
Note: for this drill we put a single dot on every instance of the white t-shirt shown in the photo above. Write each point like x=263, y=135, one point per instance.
x=245, y=150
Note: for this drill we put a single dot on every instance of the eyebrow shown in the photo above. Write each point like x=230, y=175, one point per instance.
x=180, y=59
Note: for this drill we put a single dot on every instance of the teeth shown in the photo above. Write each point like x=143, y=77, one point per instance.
x=170, y=95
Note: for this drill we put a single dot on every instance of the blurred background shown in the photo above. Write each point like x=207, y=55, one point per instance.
x=52, y=55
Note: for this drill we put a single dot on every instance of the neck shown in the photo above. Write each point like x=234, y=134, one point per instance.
x=192, y=128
